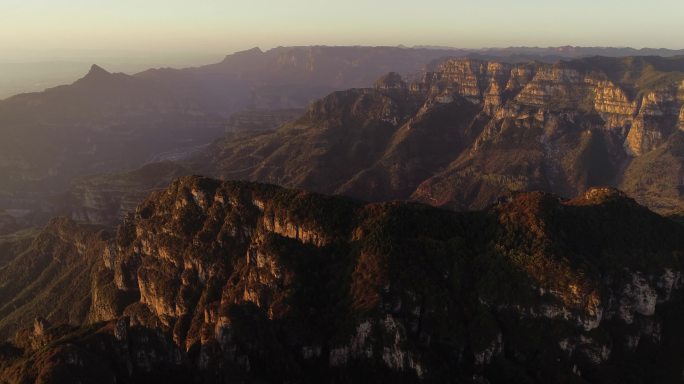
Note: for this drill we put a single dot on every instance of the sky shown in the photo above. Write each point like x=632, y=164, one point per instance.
x=62, y=29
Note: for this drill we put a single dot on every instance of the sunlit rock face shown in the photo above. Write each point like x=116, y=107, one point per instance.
x=563, y=127
x=462, y=77
x=656, y=120
x=505, y=90
x=613, y=104
x=551, y=84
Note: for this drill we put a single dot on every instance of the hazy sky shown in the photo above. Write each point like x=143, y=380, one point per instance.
x=56, y=27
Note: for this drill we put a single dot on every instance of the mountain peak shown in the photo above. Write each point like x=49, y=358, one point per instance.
x=95, y=75
x=96, y=72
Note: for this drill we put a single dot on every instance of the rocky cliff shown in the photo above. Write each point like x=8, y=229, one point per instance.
x=251, y=282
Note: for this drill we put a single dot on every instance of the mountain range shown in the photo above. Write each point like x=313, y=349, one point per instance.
x=105, y=122
x=463, y=219
x=464, y=135
x=112, y=122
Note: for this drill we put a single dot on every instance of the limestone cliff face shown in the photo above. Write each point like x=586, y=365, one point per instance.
x=614, y=105
x=252, y=281
x=499, y=77
x=553, y=84
x=520, y=76
x=505, y=90
x=655, y=121
x=462, y=77
x=494, y=83
x=475, y=80
x=562, y=127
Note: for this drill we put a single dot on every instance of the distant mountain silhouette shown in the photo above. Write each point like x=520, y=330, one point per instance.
x=107, y=122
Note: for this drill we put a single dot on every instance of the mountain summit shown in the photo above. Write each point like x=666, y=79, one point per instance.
x=95, y=75
x=96, y=70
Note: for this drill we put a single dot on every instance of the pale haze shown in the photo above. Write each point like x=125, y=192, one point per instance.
x=210, y=25
x=130, y=35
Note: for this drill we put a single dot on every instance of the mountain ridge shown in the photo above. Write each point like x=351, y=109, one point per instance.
x=225, y=279
x=118, y=122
